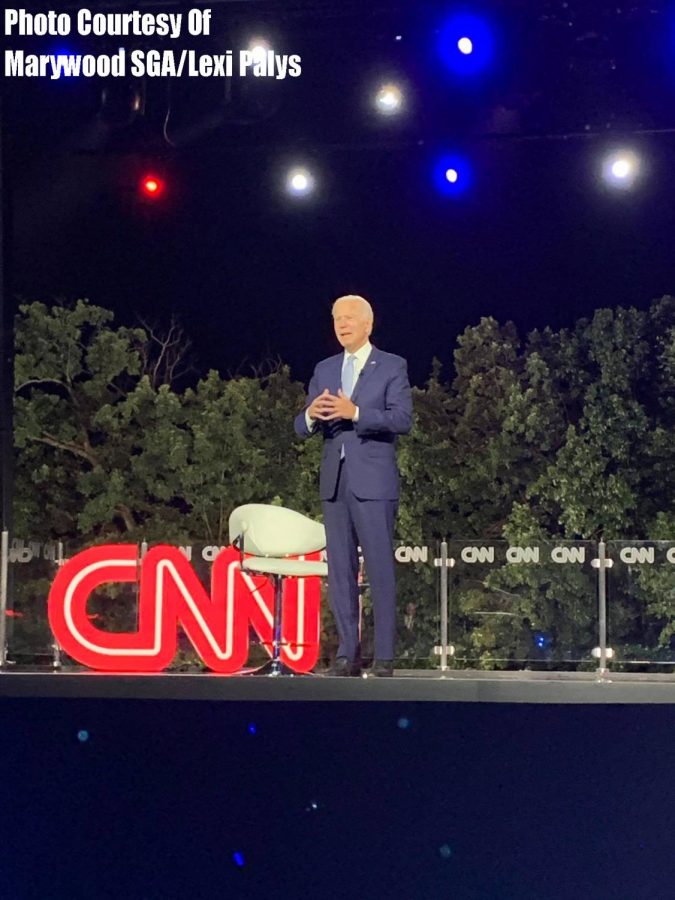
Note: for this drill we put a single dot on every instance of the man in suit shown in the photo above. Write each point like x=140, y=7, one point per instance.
x=359, y=401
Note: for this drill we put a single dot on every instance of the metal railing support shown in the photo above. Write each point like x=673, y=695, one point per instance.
x=4, y=570
x=445, y=649
x=57, y=661
x=602, y=652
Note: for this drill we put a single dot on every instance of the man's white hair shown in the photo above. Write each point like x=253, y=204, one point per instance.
x=367, y=308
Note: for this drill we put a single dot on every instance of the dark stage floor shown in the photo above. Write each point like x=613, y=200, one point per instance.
x=474, y=786
x=407, y=686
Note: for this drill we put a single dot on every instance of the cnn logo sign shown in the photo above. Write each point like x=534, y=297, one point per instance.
x=171, y=594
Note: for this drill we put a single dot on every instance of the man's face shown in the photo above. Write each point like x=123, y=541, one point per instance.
x=352, y=327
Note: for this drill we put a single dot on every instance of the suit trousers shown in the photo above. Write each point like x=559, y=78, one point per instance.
x=351, y=522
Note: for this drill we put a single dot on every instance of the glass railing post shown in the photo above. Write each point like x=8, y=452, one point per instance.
x=56, y=647
x=444, y=606
x=602, y=564
x=444, y=649
x=4, y=569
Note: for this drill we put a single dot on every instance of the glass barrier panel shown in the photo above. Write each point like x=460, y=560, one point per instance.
x=531, y=605
x=32, y=566
x=418, y=615
x=641, y=605
x=509, y=606
x=112, y=607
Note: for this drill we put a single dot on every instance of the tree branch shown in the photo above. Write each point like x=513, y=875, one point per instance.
x=127, y=516
x=173, y=347
x=32, y=381
x=69, y=447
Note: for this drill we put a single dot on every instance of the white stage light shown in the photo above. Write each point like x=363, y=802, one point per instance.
x=259, y=47
x=621, y=169
x=451, y=175
x=389, y=100
x=465, y=45
x=299, y=182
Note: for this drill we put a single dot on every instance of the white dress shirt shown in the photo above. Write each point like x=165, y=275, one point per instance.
x=360, y=359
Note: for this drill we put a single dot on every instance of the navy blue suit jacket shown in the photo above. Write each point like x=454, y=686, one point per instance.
x=382, y=394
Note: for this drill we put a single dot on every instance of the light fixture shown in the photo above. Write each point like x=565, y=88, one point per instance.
x=299, y=182
x=389, y=100
x=621, y=168
x=258, y=47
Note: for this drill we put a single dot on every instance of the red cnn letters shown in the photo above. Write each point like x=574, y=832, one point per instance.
x=171, y=594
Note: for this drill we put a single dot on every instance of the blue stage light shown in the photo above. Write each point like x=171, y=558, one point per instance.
x=452, y=175
x=542, y=640
x=238, y=858
x=62, y=55
x=466, y=43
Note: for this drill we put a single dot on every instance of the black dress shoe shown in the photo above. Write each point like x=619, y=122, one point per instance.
x=381, y=668
x=343, y=667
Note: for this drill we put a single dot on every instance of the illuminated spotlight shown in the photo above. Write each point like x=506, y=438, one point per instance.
x=466, y=44
x=66, y=63
x=621, y=169
x=452, y=175
x=299, y=182
x=389, y=100
x=152, y=186
x=259, y=47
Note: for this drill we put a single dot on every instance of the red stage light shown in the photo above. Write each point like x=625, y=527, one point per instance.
x=152, y=186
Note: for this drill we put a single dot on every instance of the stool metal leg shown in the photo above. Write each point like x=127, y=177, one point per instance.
x=278, y=604
x=275, y=666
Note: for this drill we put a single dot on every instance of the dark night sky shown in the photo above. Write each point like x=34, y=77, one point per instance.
x=250, y=273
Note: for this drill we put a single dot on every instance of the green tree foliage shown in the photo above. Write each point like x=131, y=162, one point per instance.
x=580, y=430
x=110, y=448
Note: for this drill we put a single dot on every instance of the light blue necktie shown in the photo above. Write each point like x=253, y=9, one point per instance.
x=348, y=376
x=348, y=373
